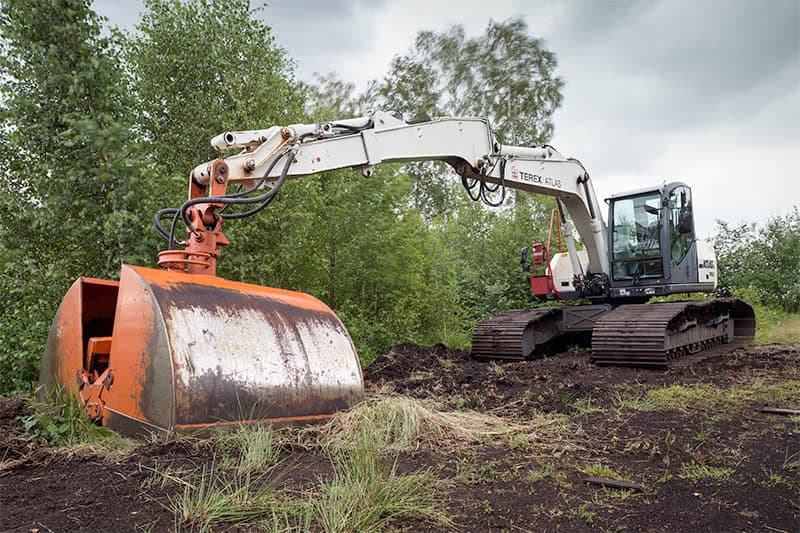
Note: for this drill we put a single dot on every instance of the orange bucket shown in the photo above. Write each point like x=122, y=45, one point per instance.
x=164, y=351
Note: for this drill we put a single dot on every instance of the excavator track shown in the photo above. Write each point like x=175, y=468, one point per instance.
x=653, y=335
x=515, y=335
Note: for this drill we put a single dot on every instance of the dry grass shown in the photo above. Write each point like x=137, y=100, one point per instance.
x=113, y=448
x=8, y=464
x=393, y=423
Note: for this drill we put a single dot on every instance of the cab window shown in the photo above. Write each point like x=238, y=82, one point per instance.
x=636, y=245
x=681, y=223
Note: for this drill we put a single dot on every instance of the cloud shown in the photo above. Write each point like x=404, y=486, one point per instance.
x=121, y=13
x=322, y=34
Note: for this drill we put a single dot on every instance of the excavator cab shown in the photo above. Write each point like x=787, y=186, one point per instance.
x=652, y=245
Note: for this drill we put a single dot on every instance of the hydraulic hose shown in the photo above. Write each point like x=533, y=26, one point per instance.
x=234, y=199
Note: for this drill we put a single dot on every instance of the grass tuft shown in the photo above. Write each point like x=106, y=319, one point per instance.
x=585, y=406
x=625, y=398
x=216, y=499
x=695, y=472
x=547, y=471
x=365, y=496
x=772, y=479
x=249, y=449
x=582, y=512
x=601, y=470
x=792, y=462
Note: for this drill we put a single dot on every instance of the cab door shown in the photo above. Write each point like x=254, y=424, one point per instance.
x=681, y=253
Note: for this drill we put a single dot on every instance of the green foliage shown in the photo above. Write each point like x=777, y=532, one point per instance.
x=486, y=245
x=59, y=419
x=202, y=67
x=773, y=324
x=762, y=259
x=505, y=75
x=475, y=250
x=783, y=328
x=70, y=195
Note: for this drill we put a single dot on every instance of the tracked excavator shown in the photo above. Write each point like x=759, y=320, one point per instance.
x=178, y=348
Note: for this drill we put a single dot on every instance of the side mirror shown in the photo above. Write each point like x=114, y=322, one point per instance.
x=526, y=266
x=687, y=223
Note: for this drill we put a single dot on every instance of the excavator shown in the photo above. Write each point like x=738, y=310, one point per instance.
x=180, y=349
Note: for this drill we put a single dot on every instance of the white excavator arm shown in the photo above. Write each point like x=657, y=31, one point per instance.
x=465, y=143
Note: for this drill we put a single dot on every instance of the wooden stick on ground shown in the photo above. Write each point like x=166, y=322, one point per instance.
x=613, y=483
x=779, y=411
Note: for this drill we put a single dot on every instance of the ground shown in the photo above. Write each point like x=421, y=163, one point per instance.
x=694, y=438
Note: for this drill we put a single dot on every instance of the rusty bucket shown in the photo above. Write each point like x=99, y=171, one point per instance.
x=163, y=351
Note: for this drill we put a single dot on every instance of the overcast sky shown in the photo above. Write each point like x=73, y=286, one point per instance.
x=706, y=92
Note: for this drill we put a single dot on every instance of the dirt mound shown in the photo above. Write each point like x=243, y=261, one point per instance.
x=549, y=384
x=14, y=443
x=453, y=377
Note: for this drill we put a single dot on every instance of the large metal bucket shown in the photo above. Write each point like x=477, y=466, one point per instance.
x=163, y=351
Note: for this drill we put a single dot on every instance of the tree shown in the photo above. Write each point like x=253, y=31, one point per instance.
x=202, y=67
x=69, y=200
x=505, y=75
x=192, y=81
x=763, y=259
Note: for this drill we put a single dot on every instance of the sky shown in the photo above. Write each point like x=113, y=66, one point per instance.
x=705, y=92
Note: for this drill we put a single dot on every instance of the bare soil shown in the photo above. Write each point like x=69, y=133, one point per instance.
x=751, y=482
